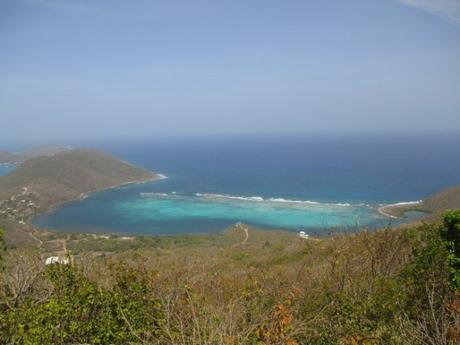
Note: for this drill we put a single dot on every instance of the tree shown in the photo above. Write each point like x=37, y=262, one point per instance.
x=451, y=235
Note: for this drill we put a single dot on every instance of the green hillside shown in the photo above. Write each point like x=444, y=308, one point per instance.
x=236, y=288
x=67, y=175
x=40, y=183
x=37, y=151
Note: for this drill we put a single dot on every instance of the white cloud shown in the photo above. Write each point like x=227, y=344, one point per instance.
x=447, y=9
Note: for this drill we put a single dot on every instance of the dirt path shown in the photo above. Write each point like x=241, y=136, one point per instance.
x=64, y=244
x=246, y=232
x=40, y=242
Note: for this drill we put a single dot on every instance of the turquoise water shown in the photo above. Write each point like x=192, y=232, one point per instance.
x=131, y=209
x=315, y=185
x=6, y=168
x=253, y=210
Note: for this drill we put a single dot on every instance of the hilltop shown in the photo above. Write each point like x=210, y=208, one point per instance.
x=38, y=151
x=51, y=180
x=445, y=200
x=41, y=183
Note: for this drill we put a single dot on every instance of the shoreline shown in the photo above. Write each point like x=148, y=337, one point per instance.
x=383, y=210
x=82, y=196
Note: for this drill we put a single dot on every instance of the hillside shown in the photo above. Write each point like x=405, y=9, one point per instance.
x=38, y=151
x=241, y=286
x=448, y=199
x=445, y=200
x=50, y=180
x=6, y=157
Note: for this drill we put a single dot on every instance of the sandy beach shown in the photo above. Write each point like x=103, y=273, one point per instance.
x=384, y=209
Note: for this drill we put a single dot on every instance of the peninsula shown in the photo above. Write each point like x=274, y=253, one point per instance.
x=448, y=199
x=37, y=151
x=39, y=184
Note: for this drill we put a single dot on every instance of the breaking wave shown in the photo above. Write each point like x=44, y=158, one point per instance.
x=402, y=203
x=257, y=199
x=152, y=195
x=231, y=197
x=271, y=200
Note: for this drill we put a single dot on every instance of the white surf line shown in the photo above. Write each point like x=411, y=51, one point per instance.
x=383, y=213
x=274, y=200
x=381, y=209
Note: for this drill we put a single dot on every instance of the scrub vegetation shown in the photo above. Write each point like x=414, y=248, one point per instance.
x=394, y=286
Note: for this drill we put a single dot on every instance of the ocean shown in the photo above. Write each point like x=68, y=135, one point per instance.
x=313, y=184
x=6, y=168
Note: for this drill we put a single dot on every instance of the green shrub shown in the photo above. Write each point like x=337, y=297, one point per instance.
x=78, y=311
x=451, y=235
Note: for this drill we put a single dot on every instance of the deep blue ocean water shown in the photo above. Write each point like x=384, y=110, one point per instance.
x=316, y=184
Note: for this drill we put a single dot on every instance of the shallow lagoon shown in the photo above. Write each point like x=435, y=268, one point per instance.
x=132, y=209
x=6, y=168
x=333, y=184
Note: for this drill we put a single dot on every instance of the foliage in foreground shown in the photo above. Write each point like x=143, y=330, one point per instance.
x=451, y=236
x=76, y=310
x=2, y=246
x=387, y=287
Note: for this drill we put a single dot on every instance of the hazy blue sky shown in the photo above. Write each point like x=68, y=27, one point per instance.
x=85, y=69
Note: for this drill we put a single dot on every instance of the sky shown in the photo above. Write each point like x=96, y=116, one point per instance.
x=109, y=69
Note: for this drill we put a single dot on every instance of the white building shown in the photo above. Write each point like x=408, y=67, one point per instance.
x=302, y=234
x=56, y=260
